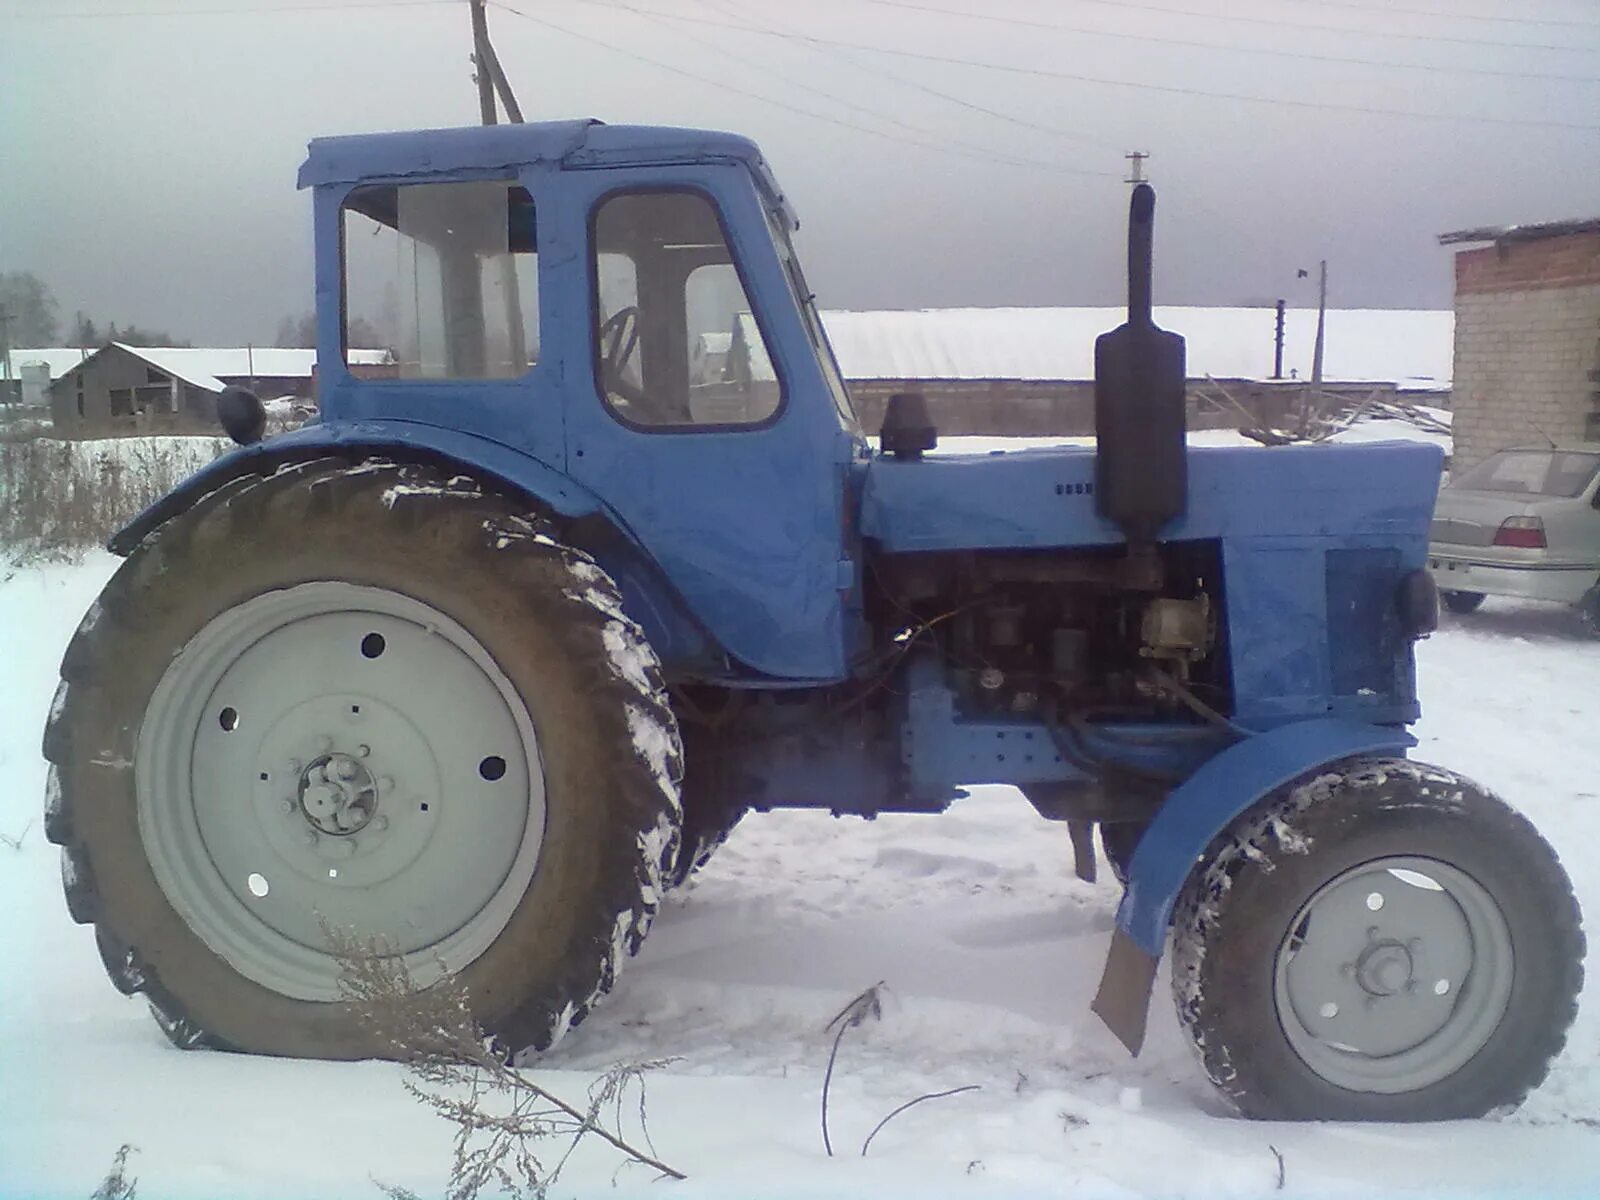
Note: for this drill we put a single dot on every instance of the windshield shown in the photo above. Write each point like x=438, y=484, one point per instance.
x=1531, y=472
x=776, y=225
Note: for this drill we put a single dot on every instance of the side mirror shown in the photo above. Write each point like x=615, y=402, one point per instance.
x=242, y=414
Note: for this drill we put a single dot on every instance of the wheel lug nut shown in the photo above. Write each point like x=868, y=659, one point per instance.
x=386, y=783
x=289, y=804
x=1348, y=969
x=380, y=823
x=347, y=847
x=311, y=837
x=294, y=765
x=363, y=751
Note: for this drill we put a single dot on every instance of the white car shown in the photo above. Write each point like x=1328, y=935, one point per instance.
x=1523, y=523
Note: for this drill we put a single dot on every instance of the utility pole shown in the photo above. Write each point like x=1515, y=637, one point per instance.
x=490, y=76
x=480, y=61
x=491, y=79
x=1322, y=313
x=1277, y=345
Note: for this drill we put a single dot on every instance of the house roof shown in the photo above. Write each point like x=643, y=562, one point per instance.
x=1408, y=347
x=1521, y=233
x=208, y=367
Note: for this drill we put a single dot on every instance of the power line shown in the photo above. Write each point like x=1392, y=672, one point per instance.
x=1044, y=73
x=1275, y=23
x=240, y=10
x=1063, y=27
x=723, y=86
x=1389, y=10
x=879, y=73
x=982, y=153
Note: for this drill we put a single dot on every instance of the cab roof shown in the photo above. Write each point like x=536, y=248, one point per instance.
x=578, y=143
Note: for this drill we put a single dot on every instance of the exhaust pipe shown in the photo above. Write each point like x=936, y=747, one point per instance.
x=1141, y=463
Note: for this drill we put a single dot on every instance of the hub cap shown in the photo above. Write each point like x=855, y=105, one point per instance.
x=1394, y=975
x=339, y=754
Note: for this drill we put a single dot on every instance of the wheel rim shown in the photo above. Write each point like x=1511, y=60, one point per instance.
x=1394, y=975
x=344, y=755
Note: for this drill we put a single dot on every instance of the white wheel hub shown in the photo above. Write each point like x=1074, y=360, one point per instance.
x=345, y=756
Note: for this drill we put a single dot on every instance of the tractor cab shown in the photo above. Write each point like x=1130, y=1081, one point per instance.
x=623, y=307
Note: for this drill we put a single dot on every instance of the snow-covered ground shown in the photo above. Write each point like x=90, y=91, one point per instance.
x=989, y=947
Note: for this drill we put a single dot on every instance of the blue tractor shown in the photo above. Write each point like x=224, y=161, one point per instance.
x=489, y=657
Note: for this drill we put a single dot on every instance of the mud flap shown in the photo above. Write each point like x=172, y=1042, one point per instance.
x=1123, y=1001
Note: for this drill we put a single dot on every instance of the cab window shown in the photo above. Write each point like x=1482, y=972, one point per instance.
x=445, y=276
x=677, y=342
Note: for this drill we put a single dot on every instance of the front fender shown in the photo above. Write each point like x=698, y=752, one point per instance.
x=1195, y=812
x=401, y=438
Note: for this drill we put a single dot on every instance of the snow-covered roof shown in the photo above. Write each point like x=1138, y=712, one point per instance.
x=203, y=367
x=208, y=367
x=1409, y=347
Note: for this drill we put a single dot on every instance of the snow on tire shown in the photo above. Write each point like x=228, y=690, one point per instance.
x=1386, y=941
x=374, y=696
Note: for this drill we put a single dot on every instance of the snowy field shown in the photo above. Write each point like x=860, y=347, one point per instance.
x=989, y=947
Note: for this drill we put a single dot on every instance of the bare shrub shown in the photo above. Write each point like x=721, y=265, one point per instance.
x=118, y=1184
x=59, y=498
x=512, y=1136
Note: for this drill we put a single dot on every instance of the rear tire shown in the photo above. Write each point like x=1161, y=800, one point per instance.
x=531, y=872
x=1387, y=942
x=1462, y=602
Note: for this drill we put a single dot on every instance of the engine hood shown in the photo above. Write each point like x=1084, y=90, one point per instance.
x=1036, y=499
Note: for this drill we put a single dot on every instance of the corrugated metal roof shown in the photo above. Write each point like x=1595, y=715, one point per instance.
x=1414, y=347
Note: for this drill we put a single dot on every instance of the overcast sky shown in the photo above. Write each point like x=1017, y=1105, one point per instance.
x=148, y=148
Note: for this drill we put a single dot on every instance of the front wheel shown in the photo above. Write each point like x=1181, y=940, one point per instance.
x=1387, y=942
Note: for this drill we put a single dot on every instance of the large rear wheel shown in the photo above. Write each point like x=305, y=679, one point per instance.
x=370, y=700
x=1388, y=942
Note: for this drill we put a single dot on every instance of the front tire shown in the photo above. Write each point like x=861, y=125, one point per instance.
x=1387, y=942
x=374, y=698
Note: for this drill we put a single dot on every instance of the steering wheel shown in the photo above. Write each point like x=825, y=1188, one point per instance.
x=619, y=338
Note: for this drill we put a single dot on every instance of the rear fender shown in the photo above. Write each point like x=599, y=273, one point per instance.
x=359, y=439
x=1195, y=812
x=677, y=637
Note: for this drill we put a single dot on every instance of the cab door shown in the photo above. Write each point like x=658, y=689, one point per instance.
x=698, y=412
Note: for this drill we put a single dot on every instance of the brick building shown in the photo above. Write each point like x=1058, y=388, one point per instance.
x=1527, y=340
